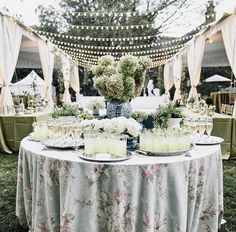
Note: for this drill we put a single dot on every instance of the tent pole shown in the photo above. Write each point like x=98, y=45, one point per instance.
x=232, y=74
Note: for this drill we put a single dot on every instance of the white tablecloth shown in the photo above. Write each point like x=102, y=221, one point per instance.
x=58, y=191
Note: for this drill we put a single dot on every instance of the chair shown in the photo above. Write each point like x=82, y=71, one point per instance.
x=232, y=97
x=229, y=109
x=223, y=109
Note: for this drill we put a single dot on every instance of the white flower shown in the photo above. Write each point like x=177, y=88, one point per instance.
x=133, y=127
x=96, y=104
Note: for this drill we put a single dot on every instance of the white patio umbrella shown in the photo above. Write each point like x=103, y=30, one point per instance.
x=217, y=78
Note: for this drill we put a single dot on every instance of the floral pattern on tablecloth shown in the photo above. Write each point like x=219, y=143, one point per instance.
x=58, y=195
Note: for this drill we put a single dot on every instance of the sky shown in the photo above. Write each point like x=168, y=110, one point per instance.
x=26, y=8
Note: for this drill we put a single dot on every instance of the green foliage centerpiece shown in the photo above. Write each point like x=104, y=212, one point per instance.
x=120, y=81
x=163, y=115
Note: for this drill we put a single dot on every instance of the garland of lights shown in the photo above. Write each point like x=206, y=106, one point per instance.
x=57, y=42
x=154, y=64
x=116, y=14
x=122, y=53
x=108, y=27
x=157, y=56
x=93, y=38
x=157, y=60
x=85, y=56
x=87, y=38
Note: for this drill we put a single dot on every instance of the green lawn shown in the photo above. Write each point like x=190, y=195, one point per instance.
x=10, y=223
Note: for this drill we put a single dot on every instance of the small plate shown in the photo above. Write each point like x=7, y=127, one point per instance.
x=54, y=144
x=31, y=138
x=212, y=140
x=172, y=153
x=94, y=159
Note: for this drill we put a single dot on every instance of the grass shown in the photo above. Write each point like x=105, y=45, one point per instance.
x=10, y=223
x=8, y=170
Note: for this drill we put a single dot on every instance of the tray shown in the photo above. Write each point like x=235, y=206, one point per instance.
x=212, y=140
x=94, y=159
x=63, y=146
x=175, y=153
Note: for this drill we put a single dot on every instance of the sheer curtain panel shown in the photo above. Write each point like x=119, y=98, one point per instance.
x=66, y=76
x=74, y=80
x=168, y=77
x=47, y=62
x=177, y=69
x=10, y=40
x=194, y=59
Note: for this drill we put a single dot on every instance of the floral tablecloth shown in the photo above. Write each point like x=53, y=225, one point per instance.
x=57, y=191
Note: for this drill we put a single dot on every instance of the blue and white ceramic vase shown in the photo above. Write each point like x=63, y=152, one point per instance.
x=117, y=108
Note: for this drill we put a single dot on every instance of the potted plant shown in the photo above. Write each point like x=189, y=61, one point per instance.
x=167, y=117
x=65, y=110
x=139, y=116
x=96, y=105
x=119, y=82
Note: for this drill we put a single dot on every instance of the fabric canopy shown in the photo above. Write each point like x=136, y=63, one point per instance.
x=47, y=61
x=194, y=57
x=217, y=78
x=22, y=48
x=10, y=39
x=177, y=69
x=74, y=80
x=31, y=84
x=229, y=38
x=168, y=77
x=66, y=76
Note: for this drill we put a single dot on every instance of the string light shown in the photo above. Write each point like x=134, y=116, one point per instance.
x=87, y=38
x=115, y=14
x=122, y=53
x=109, y=14
x=151, y=56
x=157, y=56
x=107, y=27
x=57, y=42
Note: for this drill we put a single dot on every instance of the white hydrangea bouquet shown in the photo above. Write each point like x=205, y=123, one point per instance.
x=114, y=126
x=96, y=104
x=121, y=80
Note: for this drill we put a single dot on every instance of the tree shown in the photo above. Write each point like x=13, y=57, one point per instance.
x=71, y=23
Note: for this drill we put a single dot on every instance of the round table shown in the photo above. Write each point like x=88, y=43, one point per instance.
x=58, y=191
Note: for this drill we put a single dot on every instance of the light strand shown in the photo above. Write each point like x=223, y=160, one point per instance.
x=122, y=53
x=155, y=56
x=87, y=38
x=116, y=14
x=57, y=42
x=108, y=27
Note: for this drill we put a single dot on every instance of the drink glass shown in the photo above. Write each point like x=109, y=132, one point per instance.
x=202, y=126
x=209, y=126
x=89, y=144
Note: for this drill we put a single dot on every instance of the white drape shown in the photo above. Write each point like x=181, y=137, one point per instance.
x=74, y=80
x=177, y=69
x=66, y=76
x=234, y=111
x=47, y=62
x=194, y=58
x=10, y=40
x=229, y=38
x=168, y=77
